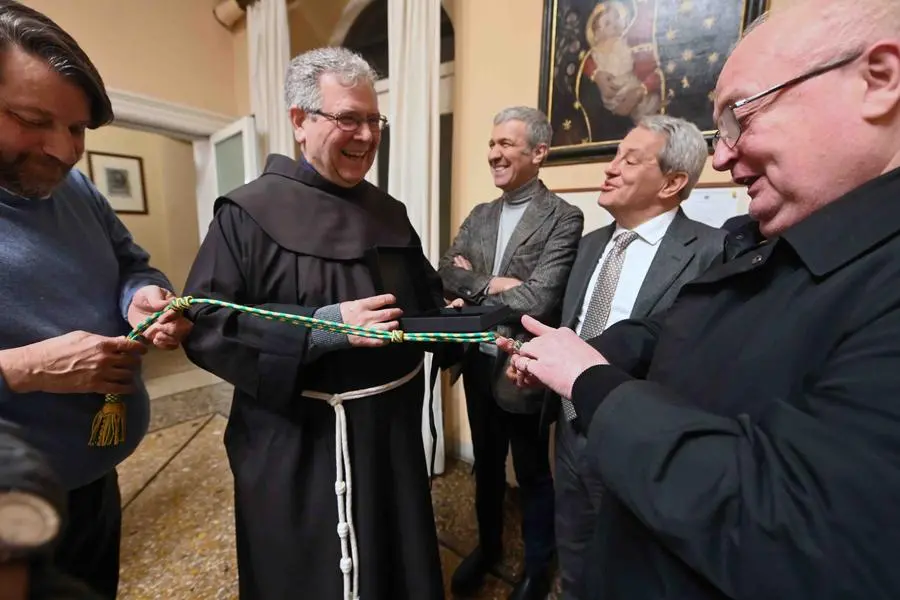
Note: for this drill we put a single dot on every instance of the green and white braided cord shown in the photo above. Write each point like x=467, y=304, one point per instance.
x=396, y=336
x=108, y=427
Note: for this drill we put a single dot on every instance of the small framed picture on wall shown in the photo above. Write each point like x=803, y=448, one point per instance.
x=120, y=178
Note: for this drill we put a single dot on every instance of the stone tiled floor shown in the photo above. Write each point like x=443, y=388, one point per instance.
x=178, y=527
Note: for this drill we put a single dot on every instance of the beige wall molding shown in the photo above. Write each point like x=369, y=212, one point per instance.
x=146, y=113
x=229, y=12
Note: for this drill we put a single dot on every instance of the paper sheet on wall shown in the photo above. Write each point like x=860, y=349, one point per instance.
x=594, y=216
x=712, y=205
x=715, y=205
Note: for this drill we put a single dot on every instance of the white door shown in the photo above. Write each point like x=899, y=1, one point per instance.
x=227, y=161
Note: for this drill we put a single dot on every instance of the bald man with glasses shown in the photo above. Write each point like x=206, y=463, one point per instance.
x=729, y=124
x=748, y=437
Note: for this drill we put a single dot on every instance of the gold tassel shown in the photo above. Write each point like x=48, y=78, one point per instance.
x=108, y=428
x=109, y=423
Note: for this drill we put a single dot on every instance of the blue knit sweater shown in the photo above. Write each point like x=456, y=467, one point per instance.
x=68, y=263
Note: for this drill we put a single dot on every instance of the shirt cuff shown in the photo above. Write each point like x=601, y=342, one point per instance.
x=591, y=388
x=321, y=341
x=476, y=290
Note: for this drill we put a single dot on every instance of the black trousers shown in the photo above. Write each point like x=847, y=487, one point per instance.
x=89, y=546
x=493, y=432
x=577, y=504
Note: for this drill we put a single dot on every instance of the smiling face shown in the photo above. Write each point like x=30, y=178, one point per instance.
x=43, y=117
x=807, y=145
x=636, y=189
x=512, y=160
x=342, y=157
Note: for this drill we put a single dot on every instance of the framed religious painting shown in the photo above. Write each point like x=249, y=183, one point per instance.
x=605, y=64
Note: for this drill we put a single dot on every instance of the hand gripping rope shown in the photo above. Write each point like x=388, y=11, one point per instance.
x=109, y=424
x=108, y=428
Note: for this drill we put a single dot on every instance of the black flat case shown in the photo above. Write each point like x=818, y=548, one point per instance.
x=400, y=271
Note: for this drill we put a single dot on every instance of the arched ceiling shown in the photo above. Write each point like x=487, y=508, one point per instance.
x=358, y=24
x=368, y=35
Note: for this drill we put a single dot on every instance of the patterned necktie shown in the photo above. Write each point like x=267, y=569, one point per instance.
x=601, y=299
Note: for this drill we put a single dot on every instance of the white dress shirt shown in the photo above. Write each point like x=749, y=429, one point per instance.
x=638, y=256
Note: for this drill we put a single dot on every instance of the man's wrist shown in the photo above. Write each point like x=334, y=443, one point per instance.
x=496, y=285
x=489, y=288
x=14, y=370
x=591, y=388
x=132, y=287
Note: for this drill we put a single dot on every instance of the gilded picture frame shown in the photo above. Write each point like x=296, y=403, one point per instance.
x=607, y=63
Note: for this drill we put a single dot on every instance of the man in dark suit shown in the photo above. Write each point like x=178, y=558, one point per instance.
x=629, y=269
x=748, y=437
x=516, y=251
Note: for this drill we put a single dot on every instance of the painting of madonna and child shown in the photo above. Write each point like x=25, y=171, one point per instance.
x=608, y=63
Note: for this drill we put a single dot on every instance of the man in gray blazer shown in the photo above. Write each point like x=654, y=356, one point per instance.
x=629, y=269
x=516, y=251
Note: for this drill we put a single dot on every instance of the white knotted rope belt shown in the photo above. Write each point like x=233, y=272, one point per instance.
x=343, y=485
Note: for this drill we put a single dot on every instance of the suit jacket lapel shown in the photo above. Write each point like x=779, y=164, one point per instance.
x=582, y=270
x=673, y=256
x=489, y=229
x=538, y=209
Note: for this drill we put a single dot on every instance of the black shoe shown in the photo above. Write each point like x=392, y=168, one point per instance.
x=534, y=586
x=469, y=575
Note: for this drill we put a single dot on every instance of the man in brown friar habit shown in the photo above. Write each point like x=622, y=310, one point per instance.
x=324, y=438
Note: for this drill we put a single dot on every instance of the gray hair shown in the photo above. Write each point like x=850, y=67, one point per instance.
x=685, y=149
x=536, y=123
x=301, y=86
x=35, y=34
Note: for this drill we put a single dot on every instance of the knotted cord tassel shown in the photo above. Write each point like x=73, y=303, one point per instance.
x=181, y=304
x=108, y=428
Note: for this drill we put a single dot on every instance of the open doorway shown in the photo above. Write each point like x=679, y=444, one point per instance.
x=160, y=142
x=150, y=180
